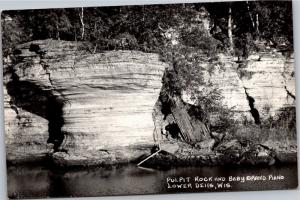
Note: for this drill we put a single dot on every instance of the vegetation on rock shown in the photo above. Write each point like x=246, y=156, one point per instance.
x=187, y=36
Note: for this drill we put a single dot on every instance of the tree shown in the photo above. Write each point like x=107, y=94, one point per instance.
x=230, y=22
x=230, y=28
x=12, y=31
x=81, y=16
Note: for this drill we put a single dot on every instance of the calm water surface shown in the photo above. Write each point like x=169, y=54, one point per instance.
x=40, y=181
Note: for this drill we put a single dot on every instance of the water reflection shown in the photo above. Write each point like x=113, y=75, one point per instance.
x=39, y=181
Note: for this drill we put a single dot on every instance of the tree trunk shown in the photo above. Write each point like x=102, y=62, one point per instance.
x=251, y=18
x=257, y=24
x=82, y=23
x=57, y=32
x=230, y=28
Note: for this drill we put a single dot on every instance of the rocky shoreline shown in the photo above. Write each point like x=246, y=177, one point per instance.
x=232, y=153
x=75, y=108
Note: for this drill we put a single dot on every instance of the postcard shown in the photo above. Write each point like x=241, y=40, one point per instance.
x=149, y=99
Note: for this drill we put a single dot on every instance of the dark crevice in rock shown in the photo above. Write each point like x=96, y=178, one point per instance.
x=254, y=112
x=173, y=130
x=34, y=48
x=44, y=103
x=289, y=93
x=165, y=106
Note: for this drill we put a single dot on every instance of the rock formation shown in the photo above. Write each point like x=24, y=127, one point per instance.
x=104, y=108
x=92, y=107
x=267, y=79
x=254, y=91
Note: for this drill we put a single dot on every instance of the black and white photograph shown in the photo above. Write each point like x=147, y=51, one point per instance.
x=149, y=99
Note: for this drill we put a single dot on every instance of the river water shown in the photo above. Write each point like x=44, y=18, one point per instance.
x=40, y=181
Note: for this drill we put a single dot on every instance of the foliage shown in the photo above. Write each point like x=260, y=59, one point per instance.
x=173, y=31
x=286, y=119
x=123, y=41
x=13, y=32
x=276, y=21
x=280, y=128
x=198, y=38
x=244, y=45
x=270, y=21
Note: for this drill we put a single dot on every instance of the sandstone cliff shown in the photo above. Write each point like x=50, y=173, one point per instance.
x=268, y=78
x=93, y=107
x=104, y=108
x=259, y=94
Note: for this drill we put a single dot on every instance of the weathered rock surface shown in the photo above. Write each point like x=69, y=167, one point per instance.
x=231, y=152
x=99, y=109
x=262, y=85
x=105, y=101
x=268, y=78
x=26, y=133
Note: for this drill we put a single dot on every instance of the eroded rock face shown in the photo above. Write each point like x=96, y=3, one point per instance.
x=26, y=133
x=93, y=109
x=267, y=80
x=87, y=104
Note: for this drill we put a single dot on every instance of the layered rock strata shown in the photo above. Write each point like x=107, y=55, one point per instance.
x=93, y=107
x=264, y=82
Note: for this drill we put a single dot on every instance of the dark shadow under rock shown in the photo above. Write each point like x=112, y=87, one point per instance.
x=32, y=98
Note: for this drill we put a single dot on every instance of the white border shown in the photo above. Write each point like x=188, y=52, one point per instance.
x=262, y=195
